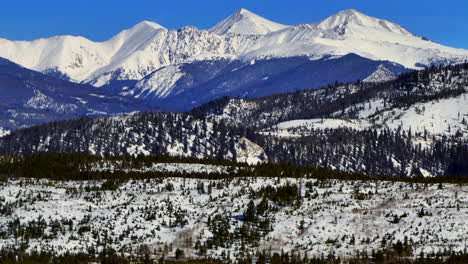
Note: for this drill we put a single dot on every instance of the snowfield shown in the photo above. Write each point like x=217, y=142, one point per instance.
x=343, y=217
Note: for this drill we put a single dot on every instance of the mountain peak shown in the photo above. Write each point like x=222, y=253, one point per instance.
x=350, y=12
x=138, y=31
x=243, y=11
x=350, y=20
x=148, y=24
x=245, y=22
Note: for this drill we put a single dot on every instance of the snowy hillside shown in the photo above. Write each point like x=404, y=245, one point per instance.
x=229, y=218
x=429, y=101
x=444, y=117
x=118, y=63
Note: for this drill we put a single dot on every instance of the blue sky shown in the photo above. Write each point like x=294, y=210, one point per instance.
x=445, y=21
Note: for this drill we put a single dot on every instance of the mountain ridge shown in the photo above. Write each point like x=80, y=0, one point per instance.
x=83, y=59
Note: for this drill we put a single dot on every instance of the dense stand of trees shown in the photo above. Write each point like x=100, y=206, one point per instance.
x=387, y=152
x=260, y=258
x=79, y=166
x=151, y=133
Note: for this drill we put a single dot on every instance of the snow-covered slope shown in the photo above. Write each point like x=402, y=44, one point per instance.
x=352, y=23
x=245, y=22
x=447, y=117
x=343, y=218
x=183, y=86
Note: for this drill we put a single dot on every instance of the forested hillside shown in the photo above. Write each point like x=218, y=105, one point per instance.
x=342, y=100
x=159, y=133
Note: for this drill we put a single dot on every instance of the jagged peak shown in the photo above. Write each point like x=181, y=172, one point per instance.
x=245, y=22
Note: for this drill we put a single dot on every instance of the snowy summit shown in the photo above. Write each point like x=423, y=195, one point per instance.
x=244, y=22
x=352, y=22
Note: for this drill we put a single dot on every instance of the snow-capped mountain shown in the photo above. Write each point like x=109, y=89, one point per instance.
x=148, y=49
x=352, y=23
x=244, y=22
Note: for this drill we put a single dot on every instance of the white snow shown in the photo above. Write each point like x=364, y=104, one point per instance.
x=440, y=117
x=303, y=127
x=158, y=84
x=4, y=132
x=249, y=152
x=323, y=123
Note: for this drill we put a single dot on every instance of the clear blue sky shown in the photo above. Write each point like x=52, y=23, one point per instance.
x=444, y=21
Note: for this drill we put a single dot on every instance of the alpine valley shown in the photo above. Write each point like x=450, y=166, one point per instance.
x=252, y=142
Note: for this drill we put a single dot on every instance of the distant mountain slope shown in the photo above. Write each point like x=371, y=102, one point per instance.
x=148, y=49
x=184, y=86
x=29, y=98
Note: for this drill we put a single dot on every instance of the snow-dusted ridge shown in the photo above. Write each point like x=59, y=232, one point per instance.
x=137, y=52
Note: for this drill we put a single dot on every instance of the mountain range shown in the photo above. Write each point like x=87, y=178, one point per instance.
x=244, y=55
